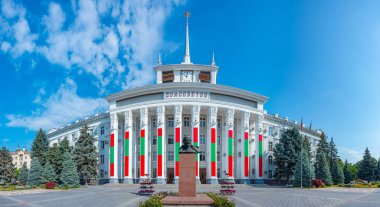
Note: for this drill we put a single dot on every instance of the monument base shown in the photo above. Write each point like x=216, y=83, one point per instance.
x=128, y=181
x=114, y=180
x=200, y=199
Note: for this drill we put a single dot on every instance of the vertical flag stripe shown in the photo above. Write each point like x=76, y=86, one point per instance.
x=246, y=154
x=159, y=152
x=213, y=152
x=126, y=153
x=260, y=155
x=159, y=163
x=112, y=156
x=230, y=152
x=142, y=152
x=177, y=146
x=195, y=139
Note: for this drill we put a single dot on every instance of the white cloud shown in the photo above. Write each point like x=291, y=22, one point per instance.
x=60, y=108
x=350, y=154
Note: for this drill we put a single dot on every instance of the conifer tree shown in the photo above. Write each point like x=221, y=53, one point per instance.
x=337, y=175
x=6, y=165
x=52, y=156
x=367, y=166
x=63, y=148
x=347, y=173
x=333, y=153
x=305, y=160
x=23, y=176
x=85, y=155
x=286, y=153
x=35, y=173
x=49, y=174
x=378, y=170
x=322, y=168
x=69, y=175
x=40, y=147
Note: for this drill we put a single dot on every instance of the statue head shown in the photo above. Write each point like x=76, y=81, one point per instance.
x=186, y=141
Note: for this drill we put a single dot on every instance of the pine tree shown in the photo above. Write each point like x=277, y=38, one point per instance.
x=286, y=153
x=337, y=175
x=333, y=154
x=6, y=165
x=23, y=177
x=85, y=155
x=63, y=148
x=49, y=174
x=52, y=156
x=69, y=175
x=322, y=167
x=305, y=161
x=367, y=166
x=40, y=147
x=347, y=173
x=35, y=173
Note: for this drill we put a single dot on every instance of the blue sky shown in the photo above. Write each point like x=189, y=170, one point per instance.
x=319, y=60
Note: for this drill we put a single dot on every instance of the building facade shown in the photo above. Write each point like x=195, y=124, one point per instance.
x=21, y=157
x=140, y=135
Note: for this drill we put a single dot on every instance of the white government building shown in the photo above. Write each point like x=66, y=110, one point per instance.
x=140, y=135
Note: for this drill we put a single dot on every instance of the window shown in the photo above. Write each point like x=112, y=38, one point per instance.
x=202, y=122
x=219, y=140
x=102, y=145
x=154, y=156
x=218, y=156
x=154, y=123
x=154, y=172
x=186, y=121
x=154, y=140
x=170, y=156
x=270, y=174
x=138, y=139
x=101, y=159
x=202, y=157
x=171, y=122
x=271, y=131
x=170, y=139
x=219, y=123
x=270, y=146
x=270, y=159
x=101, y=130
x=218, y=173
x=202, y=139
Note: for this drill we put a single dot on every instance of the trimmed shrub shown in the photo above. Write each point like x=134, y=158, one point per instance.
x=317, y=183
x=153, y=201
x=221, y=201
x=50, y=185
x=323, y=185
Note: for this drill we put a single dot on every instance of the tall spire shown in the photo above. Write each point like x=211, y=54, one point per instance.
x=159, y=62
x=212, y=60
x=186, y=58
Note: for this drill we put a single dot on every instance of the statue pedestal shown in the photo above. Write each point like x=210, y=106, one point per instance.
x=187, y=189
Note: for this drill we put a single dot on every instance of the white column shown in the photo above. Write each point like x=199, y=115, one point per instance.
x=259, y=157
x=128, y=134
x=161, y=146
x=244, y=171
x=212, y=146
x=113, y=150
x=195, y=132
x=178, y=138
x=144, y=136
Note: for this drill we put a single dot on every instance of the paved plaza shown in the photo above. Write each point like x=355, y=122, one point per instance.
x=256, y=196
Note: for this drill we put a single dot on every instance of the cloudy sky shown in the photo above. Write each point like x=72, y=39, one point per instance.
x=316, y=60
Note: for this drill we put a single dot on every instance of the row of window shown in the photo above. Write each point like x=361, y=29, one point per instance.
x=187, y=122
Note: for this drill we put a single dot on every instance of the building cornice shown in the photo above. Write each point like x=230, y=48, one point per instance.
x=212, y=88
x=194, y=67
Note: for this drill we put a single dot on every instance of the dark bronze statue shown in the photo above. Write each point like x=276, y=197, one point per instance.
x=187, y=147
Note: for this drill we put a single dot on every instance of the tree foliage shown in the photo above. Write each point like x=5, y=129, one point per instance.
x=304, y=159
x=367, y=166
x=40, y=147
x=69, y=175
x=347, y=173
x=6, y=165
x=286, y=153
x=63, y=148
x=49, y=174
x=35, y=173
x=52, y=156
x=85, y=155
x=23, y=176
x=322, y=166
x=337, y=175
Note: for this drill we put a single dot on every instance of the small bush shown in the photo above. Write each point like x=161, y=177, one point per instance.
x=317, y=183
x=378, y=185
x=50, y=185
x=153, y=201
x=323, y=185
x=221, y=201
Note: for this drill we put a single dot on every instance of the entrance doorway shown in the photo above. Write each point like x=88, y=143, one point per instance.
x=202, y=175
x=169, y=175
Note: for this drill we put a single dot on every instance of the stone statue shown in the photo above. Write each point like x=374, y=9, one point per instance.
x=187, y=147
